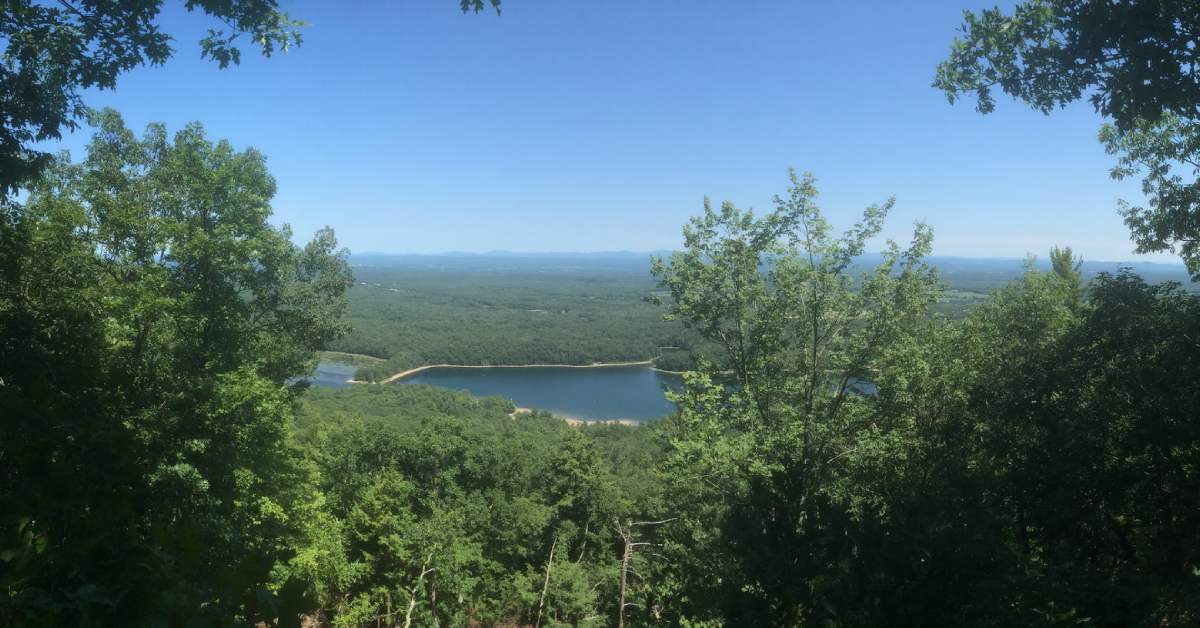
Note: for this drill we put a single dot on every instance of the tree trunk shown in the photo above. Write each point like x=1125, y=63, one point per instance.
x=624, y=572
x=412, y=594
x=545, y=584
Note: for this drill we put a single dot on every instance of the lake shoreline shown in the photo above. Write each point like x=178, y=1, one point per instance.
x=349, y=359
x=413, y=371
x=574, y=422
x=658, y=370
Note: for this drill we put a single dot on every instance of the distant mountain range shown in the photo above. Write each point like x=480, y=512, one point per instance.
x=501, y=253
x=965, y=273
x=401, y=257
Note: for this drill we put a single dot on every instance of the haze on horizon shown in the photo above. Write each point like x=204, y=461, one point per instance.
x=1041, y=258
x=559, y=127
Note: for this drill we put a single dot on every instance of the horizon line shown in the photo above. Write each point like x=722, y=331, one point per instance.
x=631, y=253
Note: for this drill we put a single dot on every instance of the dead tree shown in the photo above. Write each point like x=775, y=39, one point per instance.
x=412, y=593
x=545, y=583
x=631, y=544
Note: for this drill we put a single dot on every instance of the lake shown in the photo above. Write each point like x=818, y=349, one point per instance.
x=611, y=392
x=332, y=375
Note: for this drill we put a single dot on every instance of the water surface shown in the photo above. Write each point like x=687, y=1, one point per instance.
x=332, y=374
x=611, y=392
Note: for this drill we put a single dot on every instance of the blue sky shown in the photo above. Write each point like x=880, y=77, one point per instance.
x=587, y=126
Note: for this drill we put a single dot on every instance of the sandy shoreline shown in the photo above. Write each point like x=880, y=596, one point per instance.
x=577, y=422
x=413, y=371
x=658, y=370
x=582, y=422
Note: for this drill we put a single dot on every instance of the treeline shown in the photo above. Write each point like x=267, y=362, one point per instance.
x=414, y=315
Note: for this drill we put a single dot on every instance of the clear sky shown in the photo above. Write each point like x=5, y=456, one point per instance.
x=601, y=125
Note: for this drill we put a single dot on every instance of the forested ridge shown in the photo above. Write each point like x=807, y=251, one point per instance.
x=416, y=317
x=521, y=309
x=1028, y=457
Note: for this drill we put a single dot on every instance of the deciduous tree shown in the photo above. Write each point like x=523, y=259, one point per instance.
x=1134, y=61
x=153, y=324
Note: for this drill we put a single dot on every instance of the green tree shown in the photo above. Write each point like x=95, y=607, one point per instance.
x=1166, y=152
x=1133, y=60
x=1067, y=266
x=1113, y=479
x=802, y=335
x=1039, y=487
x=154, y=323
x=1079, y=451
x=1136, y=63
x=999, y=357
x=505, y=518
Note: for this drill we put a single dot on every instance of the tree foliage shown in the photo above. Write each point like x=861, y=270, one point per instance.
x=153, y=321
x=441, y=508
x=773, y=445
x=1166, y=153
x=1012, y=468
x=1135, y=62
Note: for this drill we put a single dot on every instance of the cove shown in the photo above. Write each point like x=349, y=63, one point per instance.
x=332, y=375
x=590, y=394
